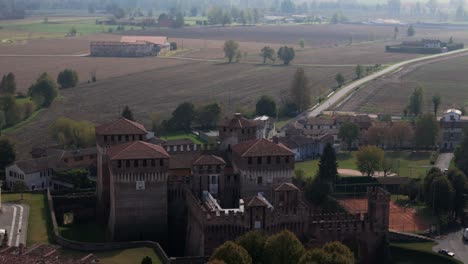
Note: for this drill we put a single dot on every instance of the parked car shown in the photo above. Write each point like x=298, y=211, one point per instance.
x=446, y=253
x=465, y=234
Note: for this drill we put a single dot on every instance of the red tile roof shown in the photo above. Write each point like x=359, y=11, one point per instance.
x=121, y=126
x=261, y=147
x=238, y=122
x=209, y=160
x=137, y=150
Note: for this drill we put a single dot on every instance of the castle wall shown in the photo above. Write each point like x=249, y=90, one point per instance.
x=139, y=204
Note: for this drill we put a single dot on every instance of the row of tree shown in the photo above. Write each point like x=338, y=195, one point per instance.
x=285, y=54
x=283, y=248
x=219, y=16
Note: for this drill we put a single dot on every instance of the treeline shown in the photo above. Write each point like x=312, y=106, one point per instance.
x=16, y=106
x=12, y=9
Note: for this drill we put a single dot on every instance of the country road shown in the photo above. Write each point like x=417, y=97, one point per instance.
x=343, y=92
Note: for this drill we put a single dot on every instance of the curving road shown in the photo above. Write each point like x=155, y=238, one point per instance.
x=340, y=94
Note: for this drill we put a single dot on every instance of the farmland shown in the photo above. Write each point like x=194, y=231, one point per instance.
x=390, y=94
x=196, y=73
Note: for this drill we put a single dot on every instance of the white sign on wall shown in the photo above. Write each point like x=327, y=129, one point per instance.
x=140, y=185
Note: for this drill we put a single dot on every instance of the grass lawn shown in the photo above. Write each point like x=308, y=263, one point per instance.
x=417, y=253
x=182, y=135
x=411, y=164
x=84, y=232
x=282, y=122
x=39, y=221
x=134, y=255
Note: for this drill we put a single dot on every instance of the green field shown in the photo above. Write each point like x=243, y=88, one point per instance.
x=39, y=221
x=417, y=253
x=181, y=135
x=410, y=164
x=15, y=30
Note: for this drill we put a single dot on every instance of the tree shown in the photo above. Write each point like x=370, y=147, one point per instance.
x=182, y=117
x=267, y=53
x=369, y=159
x=11, y=110
x=283, y=248
x=254, y=243
x=127, y=113
x=330, y=253
x=399, y=133
x=72, y=32
x=288, y=6
x=71, y=133
x=8, y=84
x=416, y=101
x=146, y=260
x=2, y=121
x=441, y=195
x=231, y=48
x=460, y=14
x=194, y=11
x=286, y=54
x=359, y=71
x=349, y=132
x=411, y=31
x=300, y=91
x=461, y=154
x=387, y=166
x=207, y=116
x=19, y=186
x=432, y=5
x=226, y=19
x=44, y=91
x=426, y=132
x=328, y=166
x=340, y=79
x=242, y=18
x=266, y=106
x=395, y=32
x=436, y=103
x=7, y=152
x=231, y=253
x=215, y=15
x=460, y=185
x=179, y=20
x=67, y=78
x=301, y=43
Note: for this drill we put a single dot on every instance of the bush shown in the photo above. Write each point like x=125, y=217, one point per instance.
x=231, y=253
x=67, y=78
x=173, y=46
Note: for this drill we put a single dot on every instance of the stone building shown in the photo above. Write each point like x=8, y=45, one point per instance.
x=192, y=201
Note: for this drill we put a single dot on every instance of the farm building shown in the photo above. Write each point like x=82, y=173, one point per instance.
x=130, y=46
x=424, y=46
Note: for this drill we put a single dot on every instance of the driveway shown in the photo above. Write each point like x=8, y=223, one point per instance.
x=14, y=219
x=443, y=161
x=454, y=242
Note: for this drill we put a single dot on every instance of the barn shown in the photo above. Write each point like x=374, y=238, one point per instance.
x=130, y=46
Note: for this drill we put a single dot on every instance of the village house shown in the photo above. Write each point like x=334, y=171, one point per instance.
x=306, y=148
x=452, y=127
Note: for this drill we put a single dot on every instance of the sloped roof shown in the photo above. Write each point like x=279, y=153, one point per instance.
x=286, y=186
x=183, y=160
x=209, y=160
x=158, y=40
x=256, y=201
x=261, y=147
x=121, y=126
x=137, y=150
x=238, y=121
x=38, y=164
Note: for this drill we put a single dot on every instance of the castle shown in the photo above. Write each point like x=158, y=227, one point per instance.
x=195, y=198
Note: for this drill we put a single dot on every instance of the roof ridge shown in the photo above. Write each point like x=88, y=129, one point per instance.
x=253, y=145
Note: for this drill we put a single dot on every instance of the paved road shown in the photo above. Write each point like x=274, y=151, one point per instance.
x=443, y=161
x=454, y=242
x=14, y=219
x=340, y=94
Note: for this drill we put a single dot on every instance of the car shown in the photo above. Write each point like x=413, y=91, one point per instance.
x=446, y=253
x=465, y=233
